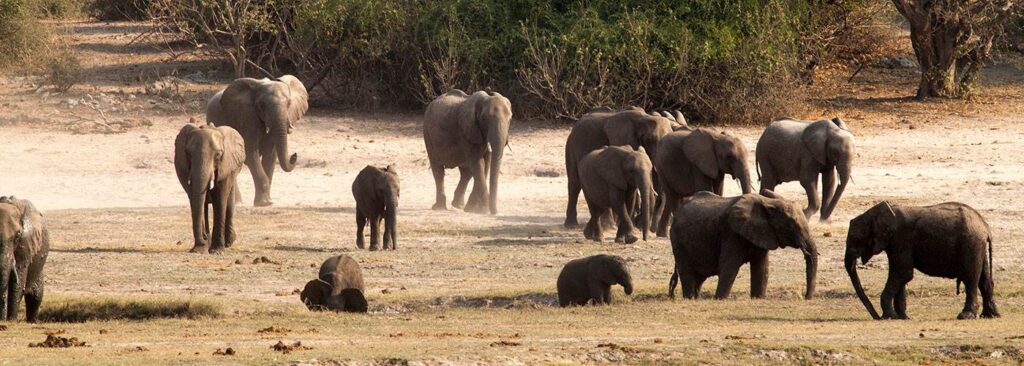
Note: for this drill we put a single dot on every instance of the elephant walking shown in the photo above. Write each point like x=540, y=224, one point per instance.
x=263, y=111
x=468, y=132
x=949, y=240
x=207, y=160
x=611, y=178
x=376, y=192
x=24, y=245
x=691, y=161
x=715, y=235
x=791, y=149
x=631, y=127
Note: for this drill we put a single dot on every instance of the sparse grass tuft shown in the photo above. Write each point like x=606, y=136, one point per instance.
x=85, y=309
x=64, y=71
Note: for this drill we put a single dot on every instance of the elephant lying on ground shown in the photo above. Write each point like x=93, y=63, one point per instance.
x=611, y=176
x=207, y=160
x=376, y=192
x=714, y=235
x=339, y=287
x=949, y=240
x=689, y=161
x=791, y=149
x=263, y=111
x=468, y=132
x=24, y=245
x=590, y=279
x=631, y=127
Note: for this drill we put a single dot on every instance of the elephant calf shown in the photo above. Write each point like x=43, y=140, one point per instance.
x=376, y=192
x=947, y=240
x=715, y=235
x=591, y=278
x=24, y=244
x=339, y=287
x=611, y=176
x=207, y=160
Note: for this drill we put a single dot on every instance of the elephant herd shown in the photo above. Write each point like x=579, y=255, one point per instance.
x=638, y=170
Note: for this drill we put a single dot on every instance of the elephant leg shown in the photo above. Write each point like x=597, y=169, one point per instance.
x=268, y=153
x=892, y=287
x=698, y=283
x=200, y=231
x=375, y=232
x=759, y=275
x=360, y=224
x=571, y=220
x=900, y=303
x=220, y=208
x=594, y=231
x=809, y=180
x=970, y=278
x=607, y=295
x=16, y=289
x=987, y=287
x=728, y=268
x=669, y=205
x=438, y=171
x=259, y=178
x=596, y=290
x=626, y=231
x=460, y=190
x=230, y=187
x=828, y=188
x=478, y=196
x=689, y=281
x=33, y=299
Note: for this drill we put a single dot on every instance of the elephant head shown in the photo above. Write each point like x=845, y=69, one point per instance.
x=612, y=269
x=831, y=144
x=771, y=222
x=23, y=236
x=868, y=235
x=716, y=153
x=484, y=120
x=319, y=295
x=634, y=127
x=277, y=103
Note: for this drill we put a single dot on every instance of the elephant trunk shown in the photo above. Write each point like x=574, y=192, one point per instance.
x=645, y=208
x=851, y=269
x=497, y=137
x=743, y=174
x=810, y=250
x=844, y=178
x=623, y=278
x=201, y=179
x=7, y=274
x=391, y=209
x=281, y=143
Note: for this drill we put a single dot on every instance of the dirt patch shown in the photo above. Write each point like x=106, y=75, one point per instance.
x=55, y=341
x=274, y=330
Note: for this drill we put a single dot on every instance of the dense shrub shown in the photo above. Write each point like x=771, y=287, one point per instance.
x=21, y=34
x=116, y=10
x=57, y=9
x=64, y=71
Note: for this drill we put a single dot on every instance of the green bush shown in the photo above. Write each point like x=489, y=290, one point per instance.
x=21, y=34
x=118, y=10
x=64, y=71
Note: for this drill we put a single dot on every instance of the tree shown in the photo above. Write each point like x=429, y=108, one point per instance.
x=952, y=40
x=223, y=27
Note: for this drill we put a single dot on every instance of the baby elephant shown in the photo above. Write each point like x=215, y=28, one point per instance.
x=591, y=278
x=24, y=244
x=611, y=176
x=947, y=240
x=207, y=160
x=376, y=192
x=339, y=287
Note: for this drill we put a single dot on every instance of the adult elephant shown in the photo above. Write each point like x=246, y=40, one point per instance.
x=692, y=161
x=791, y=149
x=263, y=111
x=468, y=132
x=207, y=160
x=24, y=245
x=632, y=127
x=714, y=235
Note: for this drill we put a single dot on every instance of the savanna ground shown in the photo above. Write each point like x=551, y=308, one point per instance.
x=465, y=288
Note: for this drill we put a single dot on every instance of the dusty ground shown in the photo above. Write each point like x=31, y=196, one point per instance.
x=466, y=288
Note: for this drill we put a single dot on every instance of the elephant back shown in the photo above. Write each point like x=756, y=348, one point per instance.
x=342, y=272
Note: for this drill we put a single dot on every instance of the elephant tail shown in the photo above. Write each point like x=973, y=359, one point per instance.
x=958, y=286
x=990, y=264
x=757, y=167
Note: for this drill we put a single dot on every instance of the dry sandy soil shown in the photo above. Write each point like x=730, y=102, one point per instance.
x=465, y=288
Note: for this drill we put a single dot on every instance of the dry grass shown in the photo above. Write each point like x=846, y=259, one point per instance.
x=81, y=309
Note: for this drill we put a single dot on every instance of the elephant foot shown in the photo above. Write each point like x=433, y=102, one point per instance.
x=374, y=247
x=459, y=204
x=661, y=233
x=808, y=212
x=217, y=250
x=477, y=209
x=199, y=249
x=990, y=313
x=627, y=239
x=262, y=203
x=967, y=315
x=439, y=206
x=571, y=224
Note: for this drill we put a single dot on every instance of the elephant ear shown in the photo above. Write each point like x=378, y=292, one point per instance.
x=469, y=124
x=624, y=128
x=314, y=295
x=839, y=123
x=815, y=138
x=298, y=98
x=181, y=159
x=234, y=150
x=885, y=226
x=354, y=300
x=31, y=223
x=748, y=217
x=699, y=149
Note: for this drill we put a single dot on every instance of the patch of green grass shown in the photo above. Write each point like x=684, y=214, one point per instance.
x=86, y=309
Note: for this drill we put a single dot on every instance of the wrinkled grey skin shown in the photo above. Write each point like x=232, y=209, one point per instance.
x=791, y=149
x=611, y=177
x=263, y=111
x=24, y=245
x=691, y=161
x=339, y=287
x=468, y=132
x=948, y=240
x=590, y=279
x=207, y=160
x=630, y=127
x=715, y=235
x=376, y=192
